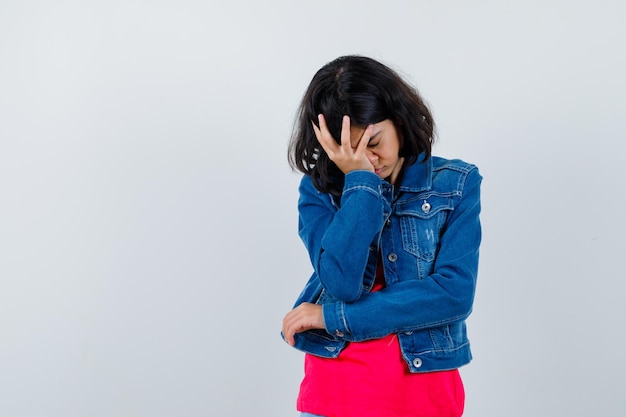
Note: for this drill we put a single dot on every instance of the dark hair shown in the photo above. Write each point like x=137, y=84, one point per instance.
x=369, y=92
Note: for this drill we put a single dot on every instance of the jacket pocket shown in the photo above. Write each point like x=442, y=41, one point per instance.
x=421, y=223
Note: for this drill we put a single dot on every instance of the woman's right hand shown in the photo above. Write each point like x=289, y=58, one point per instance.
x=344, y=155
x=305, y=317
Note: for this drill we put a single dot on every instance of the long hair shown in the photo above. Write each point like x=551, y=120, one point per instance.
x=368, y=92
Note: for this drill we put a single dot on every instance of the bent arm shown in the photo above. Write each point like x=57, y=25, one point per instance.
x=338, y=239
x=444, y=297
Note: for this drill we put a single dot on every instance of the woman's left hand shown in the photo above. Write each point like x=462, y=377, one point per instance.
x=305, y=317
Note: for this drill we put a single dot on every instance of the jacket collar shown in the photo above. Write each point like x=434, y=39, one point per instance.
x=417, y=177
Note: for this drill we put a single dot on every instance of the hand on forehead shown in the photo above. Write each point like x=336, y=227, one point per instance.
x=356, y=133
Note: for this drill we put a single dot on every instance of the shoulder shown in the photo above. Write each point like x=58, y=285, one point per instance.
x=443, y=164
x=307, y=188
x=307, y=185
x=454, y=172
x=309, y=194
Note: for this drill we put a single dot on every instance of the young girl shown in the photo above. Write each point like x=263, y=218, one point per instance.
x=393, y=237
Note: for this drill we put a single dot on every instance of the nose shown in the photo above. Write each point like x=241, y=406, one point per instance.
x=372, y=157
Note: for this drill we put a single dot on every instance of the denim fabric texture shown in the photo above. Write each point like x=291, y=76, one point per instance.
x=427, y=232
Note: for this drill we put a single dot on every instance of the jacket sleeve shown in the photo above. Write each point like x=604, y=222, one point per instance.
x=444, y=297
x=338, y=239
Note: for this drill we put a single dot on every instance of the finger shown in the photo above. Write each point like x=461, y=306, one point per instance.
x=323, y=135
x=285, y=328
x=288, y=336
x=290, y=326
x=345, y=135
x=296, y=321
x=365, y=139
x=318, y=136
x=316, y=130
x=291, y=331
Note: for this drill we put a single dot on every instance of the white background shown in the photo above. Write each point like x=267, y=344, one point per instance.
x=148, y=245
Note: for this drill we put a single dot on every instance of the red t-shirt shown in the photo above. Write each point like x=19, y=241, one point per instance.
x=371, y=379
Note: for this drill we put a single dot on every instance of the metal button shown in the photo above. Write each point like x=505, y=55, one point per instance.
x=426, y=207
x=417, y=362
x=392, y=257
x=409, y=333
x=339, y=333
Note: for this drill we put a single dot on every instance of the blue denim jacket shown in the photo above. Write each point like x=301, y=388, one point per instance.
x=427, y=233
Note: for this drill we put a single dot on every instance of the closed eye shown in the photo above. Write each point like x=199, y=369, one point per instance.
x=374, y=140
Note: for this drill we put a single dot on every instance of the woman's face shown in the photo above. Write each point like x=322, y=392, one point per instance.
x=383, y=148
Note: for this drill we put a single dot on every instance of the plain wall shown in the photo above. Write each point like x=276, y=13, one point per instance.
x=148, y=243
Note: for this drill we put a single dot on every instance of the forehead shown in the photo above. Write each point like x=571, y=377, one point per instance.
x=356, y=132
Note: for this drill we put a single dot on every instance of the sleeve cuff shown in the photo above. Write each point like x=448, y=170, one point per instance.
x=335, y=320
x=362, y=179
